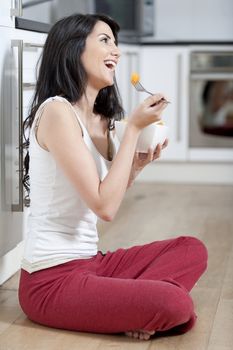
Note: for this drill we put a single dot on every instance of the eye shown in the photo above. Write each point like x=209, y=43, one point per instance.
x=104, y=39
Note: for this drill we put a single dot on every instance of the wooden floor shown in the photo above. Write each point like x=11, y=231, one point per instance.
x=151, y=212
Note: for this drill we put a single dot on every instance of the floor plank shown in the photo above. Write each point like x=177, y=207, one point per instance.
x=9, y=309
x=222, y=331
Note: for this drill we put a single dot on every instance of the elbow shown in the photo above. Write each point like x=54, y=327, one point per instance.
x=106, y=216
x=106, y=211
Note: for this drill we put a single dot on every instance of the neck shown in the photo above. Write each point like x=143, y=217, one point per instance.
x=86, y=102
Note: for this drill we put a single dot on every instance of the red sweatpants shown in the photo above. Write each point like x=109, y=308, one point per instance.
x=143, y=287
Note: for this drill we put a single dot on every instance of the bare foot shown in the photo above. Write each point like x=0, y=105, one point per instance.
x=141, y=334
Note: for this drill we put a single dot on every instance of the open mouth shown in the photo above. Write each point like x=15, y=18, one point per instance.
x=110, y=64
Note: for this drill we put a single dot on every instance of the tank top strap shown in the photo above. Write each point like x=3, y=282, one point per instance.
x=39, y=113
x=82, y=126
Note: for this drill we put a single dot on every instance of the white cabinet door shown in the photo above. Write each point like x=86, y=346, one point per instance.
x=12, y=40
x=129, y=63
x=165, y=70
x=5, y=14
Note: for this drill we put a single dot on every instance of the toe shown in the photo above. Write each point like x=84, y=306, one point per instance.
x=141, y=336
x=146, y=336
x=129, y=334
x=136, y=335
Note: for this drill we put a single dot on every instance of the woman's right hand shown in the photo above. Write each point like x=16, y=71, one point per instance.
x=148, y=111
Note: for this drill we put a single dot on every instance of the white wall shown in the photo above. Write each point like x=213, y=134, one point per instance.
x=194, y=19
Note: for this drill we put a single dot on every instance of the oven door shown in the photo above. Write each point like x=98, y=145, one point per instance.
x=211, y=113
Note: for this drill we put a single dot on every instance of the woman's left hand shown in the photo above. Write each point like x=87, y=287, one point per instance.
x=142, y=159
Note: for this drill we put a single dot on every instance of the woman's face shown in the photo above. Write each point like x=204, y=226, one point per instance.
x=100, y=56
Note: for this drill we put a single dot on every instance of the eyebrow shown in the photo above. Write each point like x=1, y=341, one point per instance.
x=107, y=37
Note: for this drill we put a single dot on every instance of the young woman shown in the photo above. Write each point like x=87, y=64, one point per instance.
x=78, y=172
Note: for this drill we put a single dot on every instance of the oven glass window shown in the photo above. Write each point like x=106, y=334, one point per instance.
x=217, y=107
x=211, y=99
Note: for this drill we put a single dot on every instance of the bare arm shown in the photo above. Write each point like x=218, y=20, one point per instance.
x=62, y=137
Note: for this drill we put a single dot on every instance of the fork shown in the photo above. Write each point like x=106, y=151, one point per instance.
x=138, y=86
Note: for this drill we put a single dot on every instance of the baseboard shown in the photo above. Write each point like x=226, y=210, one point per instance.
x=188, y=172
x=10, y=262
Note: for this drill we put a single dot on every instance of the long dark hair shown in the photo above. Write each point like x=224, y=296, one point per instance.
x=61, y=72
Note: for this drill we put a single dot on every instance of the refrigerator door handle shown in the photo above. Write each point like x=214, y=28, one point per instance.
x=19, y=206
x=17, y=10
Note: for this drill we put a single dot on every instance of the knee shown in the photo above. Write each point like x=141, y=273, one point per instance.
x=198, y=250
x=201, y=251
x=179, y=309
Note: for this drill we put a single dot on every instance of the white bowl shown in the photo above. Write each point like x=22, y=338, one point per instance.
x=150, y=136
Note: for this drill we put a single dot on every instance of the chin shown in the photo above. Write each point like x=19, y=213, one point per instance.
x=109, y=80
x=106, y=84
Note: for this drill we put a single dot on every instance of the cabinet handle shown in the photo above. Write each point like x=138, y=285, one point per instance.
x=131, y=56
x=33, y=45
x=17, y=10
x=179, y=89
x=19, y=44
x=211, y=76
x=29, y=85
x=130, y=66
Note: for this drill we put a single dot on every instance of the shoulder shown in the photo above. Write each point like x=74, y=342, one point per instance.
x=57, y=120
x=57, y=107
x=59, y=112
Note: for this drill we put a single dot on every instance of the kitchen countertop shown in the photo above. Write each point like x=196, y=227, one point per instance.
x=26, y=24
x=174, y=42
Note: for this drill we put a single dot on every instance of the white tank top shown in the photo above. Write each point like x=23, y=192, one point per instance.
x=60, y=226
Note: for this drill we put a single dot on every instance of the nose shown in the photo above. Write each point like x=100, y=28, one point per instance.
x=116, y=52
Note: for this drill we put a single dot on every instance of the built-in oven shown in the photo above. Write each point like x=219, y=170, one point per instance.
x=211, y=100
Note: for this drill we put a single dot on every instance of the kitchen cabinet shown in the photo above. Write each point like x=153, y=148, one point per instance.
x=6, y=17
x=165, y=69
x=129, y=62
x=16, y=90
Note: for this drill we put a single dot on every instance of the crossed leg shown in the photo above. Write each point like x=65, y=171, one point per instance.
x=138, y=291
